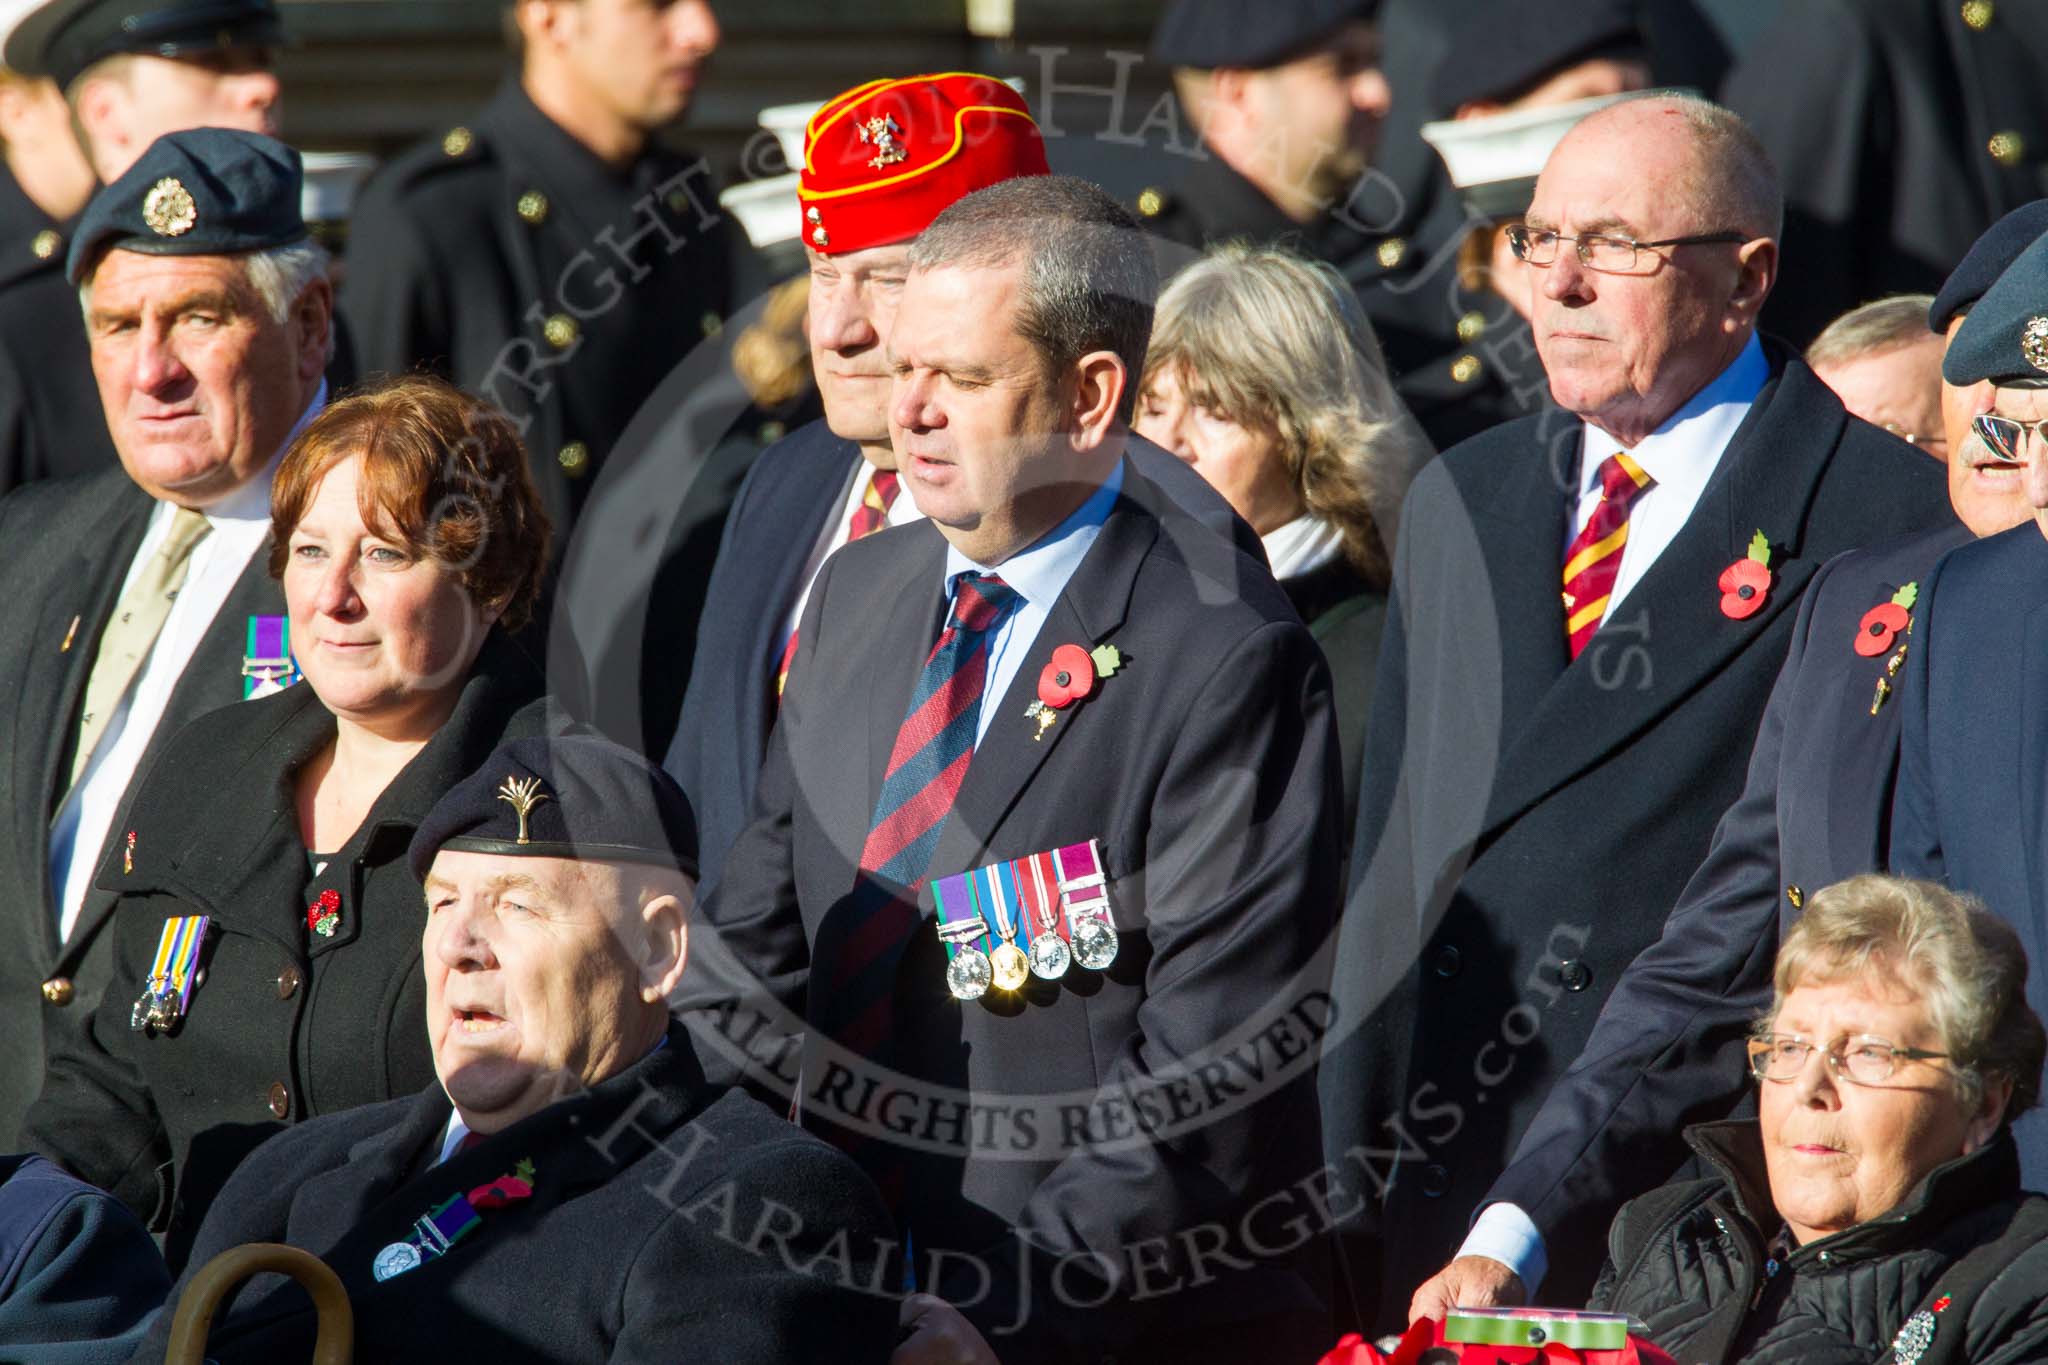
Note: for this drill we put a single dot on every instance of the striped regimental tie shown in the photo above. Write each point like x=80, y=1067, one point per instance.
x=871, y=516
x=1595, y=556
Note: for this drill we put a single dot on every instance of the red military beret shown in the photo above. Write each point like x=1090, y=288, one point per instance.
x=884, y=159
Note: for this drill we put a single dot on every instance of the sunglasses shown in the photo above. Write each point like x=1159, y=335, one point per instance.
x=2002, y=436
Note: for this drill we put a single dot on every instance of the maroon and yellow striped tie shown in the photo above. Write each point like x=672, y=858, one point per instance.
x=871, y=516
x=1595, y=555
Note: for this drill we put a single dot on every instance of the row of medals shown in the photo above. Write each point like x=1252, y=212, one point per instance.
x=1007, y=967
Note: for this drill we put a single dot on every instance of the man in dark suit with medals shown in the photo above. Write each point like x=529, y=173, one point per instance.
x=573, y=1189
x=1047, y=829
x=1968, y=809
x=1591, y=616
x=139, y=598
x=881, y=161
x=1815, y=808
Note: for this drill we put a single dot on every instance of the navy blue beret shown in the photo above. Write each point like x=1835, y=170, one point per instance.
x=1499, y=48
x=63, y=38
x=1213, y=33
x=1986, y=260
x=2005, y=337
x=202, y=192
x=569, y=796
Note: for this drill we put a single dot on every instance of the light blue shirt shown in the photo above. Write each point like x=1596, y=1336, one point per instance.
x=1039, y=575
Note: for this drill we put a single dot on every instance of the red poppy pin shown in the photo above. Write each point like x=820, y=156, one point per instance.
x=1881, y=625
x=128, y=855
x=323, y=916
x=1747, y=582
x=1070, y=676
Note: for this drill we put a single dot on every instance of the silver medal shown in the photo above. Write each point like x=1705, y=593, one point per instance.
x=1050, y=956
x=395, y=1259
x=1094, y=943
x=969, y=973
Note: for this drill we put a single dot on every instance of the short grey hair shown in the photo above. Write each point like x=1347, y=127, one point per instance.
x=280, y=275
x=1945, y=947
x=1089, y=278
x=1884, y=325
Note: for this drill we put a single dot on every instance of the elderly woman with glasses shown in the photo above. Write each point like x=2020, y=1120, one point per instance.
x=1872, y=1210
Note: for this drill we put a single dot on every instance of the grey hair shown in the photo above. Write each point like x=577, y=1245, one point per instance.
x=1263, y=336
x=1963, y=961
x=1884, y=325
x=280, y=275
x=1089, y=279
x=1736, y=184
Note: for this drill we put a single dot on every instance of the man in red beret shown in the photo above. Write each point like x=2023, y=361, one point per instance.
x=880, y=162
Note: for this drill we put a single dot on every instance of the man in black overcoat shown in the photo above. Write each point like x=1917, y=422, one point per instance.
x=572, y=1190
x=1815, y=808
x=200, y=412
x=1590, y=617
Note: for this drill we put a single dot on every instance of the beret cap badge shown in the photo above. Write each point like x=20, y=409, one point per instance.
x=168, y=208
x=523, y=794
x=2034, y=343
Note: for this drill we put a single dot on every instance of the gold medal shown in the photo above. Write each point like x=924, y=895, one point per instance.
x=1010, y=968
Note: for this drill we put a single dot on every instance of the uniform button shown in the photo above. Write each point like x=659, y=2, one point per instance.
x=45, y=245
x=1392, y=252
x=1471, y=325
x=820, y=237
x=1826, y=1258
x=574, y=458
x=1436, y=1181
x=2007, y=148
x=561, y=331
x=457, y=142
x=533, y=207
x=710, y=324
x=58, y=990
x=288, y=982
x=1449, y=961
x=1465, y=368
x=1575, y=974
x=1977, y=14
x=771, y=432
x=1151, y=202
x=280, y=1100
x=1796, y=896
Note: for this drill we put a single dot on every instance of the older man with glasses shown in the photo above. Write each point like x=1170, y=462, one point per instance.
x=1592, y=610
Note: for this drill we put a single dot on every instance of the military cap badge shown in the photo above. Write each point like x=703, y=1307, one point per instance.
x=522, y=794
x=882, y=133
x=168, y=208
x=2034, y=343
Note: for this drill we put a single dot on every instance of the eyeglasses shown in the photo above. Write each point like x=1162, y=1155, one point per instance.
x=2001, y=435
x=1597, y=251
x=1863, y=1058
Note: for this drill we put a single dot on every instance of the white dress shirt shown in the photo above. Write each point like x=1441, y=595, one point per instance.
x=240, y=525
x=1680, y=456
x=901, y=513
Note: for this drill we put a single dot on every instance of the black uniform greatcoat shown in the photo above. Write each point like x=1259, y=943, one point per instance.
x=1207, y=770
x=1973, y=753
x=68, y=546
x=669, y=1221
x=51, y=422
x=286, y=1024
x=1668, y=1047
x=507, y=257
x=1527, y=819
x=794, y=489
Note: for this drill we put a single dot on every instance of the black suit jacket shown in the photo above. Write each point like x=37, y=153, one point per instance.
x=1207, y=770
x=793, y=490
x=69, y=544
x=1527, y=819
x=1973, y=758
x=1667, y=1050
x=670, y=1221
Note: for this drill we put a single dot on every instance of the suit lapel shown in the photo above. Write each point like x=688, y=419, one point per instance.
x=1661, y=641
x=915, y=601
x=1521, y=530
x=808, y=496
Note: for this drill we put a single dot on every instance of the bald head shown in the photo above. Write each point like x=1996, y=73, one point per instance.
x=1725, y=174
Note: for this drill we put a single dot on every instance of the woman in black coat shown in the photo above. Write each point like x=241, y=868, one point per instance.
x=409, y=539
x=1872, y=1211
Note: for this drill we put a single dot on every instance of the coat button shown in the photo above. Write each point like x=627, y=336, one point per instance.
x=561, y=331
x=457, y=142
x=45, y=244
x=1449, y=961
x=58, y=990
x=1796, y=897
x=533, y=207
x=280, y=1100
x=1471, y=326
x=574, y=458
x=1392, y=252
x=1575, y=974
x=1436, y=1181
x=1465, y=368
x=2007, y=148
x=1977, y=14
x=288, y=982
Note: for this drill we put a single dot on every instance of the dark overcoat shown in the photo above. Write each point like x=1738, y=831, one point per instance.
x=51, y=422
x=69, y=544
x=286, y=1023
x=1528, y=819
x=669, y=1221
